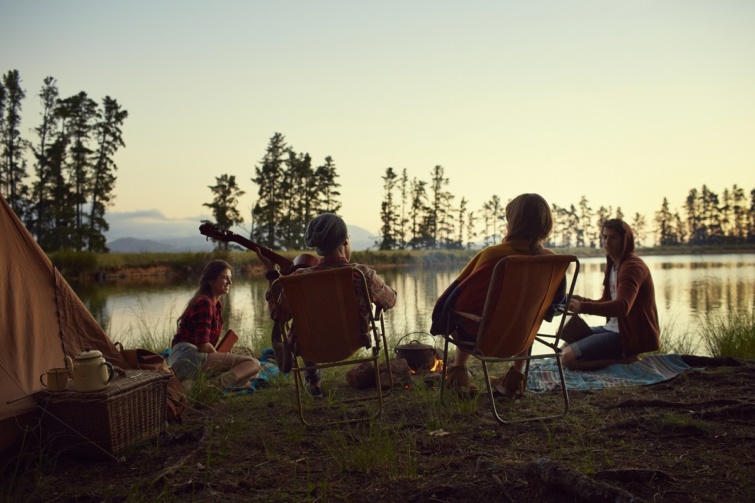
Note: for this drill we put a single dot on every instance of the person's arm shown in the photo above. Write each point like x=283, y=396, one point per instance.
x=201, y=318
x=630, y=278
x=381, y=294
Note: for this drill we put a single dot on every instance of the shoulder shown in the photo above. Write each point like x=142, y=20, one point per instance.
x=634, y=265
x=365, y=270
x=203, y=302
x=544, y=251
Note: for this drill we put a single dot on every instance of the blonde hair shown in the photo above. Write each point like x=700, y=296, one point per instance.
x=529, y=217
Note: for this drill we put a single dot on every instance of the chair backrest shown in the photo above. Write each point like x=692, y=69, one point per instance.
x=325, y=314
x=521, y=291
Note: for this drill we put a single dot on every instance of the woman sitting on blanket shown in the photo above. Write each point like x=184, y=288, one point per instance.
x=528, y=224
x=628, y=303
x=199, y=329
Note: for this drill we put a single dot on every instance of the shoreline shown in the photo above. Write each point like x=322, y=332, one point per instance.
x=86, y=266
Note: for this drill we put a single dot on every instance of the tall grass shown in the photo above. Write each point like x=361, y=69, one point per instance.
x=732, y=335
x=686, y=342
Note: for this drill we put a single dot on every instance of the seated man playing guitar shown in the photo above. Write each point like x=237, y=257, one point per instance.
x=326, y=233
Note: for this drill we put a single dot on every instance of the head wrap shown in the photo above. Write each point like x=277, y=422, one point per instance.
x=325, y=233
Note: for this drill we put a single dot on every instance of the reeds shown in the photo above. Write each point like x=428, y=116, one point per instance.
x=732, y=335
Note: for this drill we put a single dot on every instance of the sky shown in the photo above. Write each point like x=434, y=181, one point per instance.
x=624, y=102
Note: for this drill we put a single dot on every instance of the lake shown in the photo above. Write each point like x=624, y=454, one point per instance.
x=687, y=287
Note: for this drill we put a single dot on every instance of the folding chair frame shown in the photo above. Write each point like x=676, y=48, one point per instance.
x=377, y=332
x=550, y=341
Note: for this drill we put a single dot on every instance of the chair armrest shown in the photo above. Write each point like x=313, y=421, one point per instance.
x=469, y=316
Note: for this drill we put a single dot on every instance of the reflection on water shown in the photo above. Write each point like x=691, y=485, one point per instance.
x=687, y=286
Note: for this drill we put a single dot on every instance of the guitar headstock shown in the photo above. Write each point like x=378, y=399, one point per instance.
x=214, y=231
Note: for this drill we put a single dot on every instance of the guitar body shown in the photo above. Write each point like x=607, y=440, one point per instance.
x=303, y=261
x=287, y=265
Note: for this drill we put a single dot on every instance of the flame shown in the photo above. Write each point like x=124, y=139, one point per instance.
x=436, y=367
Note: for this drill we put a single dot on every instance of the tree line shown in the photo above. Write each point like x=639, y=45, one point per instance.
x=71, y=159
x=291, y=191
x=420, y=214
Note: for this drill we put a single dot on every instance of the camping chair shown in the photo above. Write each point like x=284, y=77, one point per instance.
x=522, y=289
x=327, y=327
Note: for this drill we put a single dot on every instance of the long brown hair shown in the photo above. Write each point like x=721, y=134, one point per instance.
x=529, y=217
x=210, y=273
x=625, y=231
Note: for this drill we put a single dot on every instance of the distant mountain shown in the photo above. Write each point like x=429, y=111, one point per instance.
x=168, y=245
x=360, y=240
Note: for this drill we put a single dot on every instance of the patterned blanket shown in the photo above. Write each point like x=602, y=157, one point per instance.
x=543, y=375
x=268, y=371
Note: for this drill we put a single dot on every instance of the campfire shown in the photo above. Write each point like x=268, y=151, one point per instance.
x=436, y=367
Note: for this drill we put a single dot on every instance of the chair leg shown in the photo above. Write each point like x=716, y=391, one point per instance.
x=444, y=371
x=565, y=392
x=491, y=397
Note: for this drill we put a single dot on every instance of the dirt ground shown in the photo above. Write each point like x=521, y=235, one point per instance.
x=691, y=439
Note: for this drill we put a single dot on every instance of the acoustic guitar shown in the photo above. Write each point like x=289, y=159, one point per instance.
x=286, y=265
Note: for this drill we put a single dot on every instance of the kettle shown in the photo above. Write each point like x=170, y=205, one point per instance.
x=89, y=371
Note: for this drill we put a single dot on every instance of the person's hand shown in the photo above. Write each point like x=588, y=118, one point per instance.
x=575, y=306
x=269, y=264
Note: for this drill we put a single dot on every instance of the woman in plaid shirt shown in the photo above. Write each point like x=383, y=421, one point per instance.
x=199, y=329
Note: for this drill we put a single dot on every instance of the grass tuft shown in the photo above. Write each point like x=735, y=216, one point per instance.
x=732, y=335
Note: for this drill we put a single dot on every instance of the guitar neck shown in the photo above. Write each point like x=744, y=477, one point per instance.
x=284, y=263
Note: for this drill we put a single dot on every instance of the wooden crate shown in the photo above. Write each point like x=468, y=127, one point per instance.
x=131, y=409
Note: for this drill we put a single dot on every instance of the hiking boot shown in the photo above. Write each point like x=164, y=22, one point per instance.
x=459, y=379
x=510, y=385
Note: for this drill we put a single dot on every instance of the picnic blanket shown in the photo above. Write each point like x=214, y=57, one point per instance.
x=268, y=371
x=543, y=376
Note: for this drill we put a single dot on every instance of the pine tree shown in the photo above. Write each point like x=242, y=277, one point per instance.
x=267, y=211
x=665, y=225
x=585, y=232
x=388, y=214
x=224, y=205
x=638, y=226
x=40, y=221
x=12, y=161
x=109, y=138
x=327, y=187
x=79, y=113
x=418, y=216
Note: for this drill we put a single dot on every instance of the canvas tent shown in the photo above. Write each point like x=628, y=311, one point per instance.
x=41, y=320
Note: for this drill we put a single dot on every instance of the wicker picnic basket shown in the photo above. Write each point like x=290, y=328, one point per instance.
x=131, y=409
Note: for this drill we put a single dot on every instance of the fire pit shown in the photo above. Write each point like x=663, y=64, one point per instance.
x=420, y=357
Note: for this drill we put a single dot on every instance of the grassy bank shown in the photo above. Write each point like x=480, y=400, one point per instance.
x=87, y=264
x=678, y=441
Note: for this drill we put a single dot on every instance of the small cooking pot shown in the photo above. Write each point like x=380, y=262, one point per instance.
x=419, y=356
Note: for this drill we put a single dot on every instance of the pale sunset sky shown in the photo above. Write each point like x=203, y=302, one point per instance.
x=624, y=102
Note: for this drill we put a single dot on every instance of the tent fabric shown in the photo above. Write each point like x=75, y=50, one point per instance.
x=41, y=321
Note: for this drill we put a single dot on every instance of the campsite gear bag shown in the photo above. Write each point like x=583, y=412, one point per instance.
x=89, y=371
x=55, y=379
x=147, y=360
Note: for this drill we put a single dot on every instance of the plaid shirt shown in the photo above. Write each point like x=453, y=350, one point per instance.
x=381, y=294
x=201, y=322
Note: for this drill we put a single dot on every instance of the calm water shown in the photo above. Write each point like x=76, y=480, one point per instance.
x=687, y=287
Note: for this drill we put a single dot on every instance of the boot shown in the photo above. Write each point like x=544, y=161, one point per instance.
x=511, y=385
x=459, y=379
